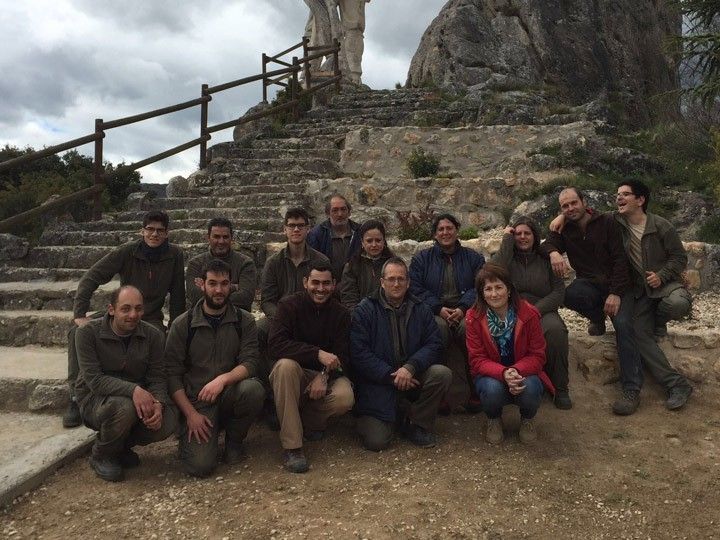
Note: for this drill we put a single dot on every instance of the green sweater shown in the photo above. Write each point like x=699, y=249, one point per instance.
x=154, y=279
x=242, y=274
x=107, y=369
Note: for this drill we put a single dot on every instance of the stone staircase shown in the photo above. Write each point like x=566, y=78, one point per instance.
x=252, y=186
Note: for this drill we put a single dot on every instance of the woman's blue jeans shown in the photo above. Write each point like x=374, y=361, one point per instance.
x=494, y=395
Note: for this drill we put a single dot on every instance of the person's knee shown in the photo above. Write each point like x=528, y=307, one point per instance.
x=490, y=389
x=444, y=330
x=200, y=460
x=375, y=442
x=439, y=375
x=120, y=411
x=284, y=368
x=674, y=306
x=251, y=395
x=344, y=398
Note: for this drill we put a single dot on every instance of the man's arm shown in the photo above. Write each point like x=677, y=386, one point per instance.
x=100, y=273
x=676, y=262
x=246, y=284
x=363, y=360
x=269, y=290
x=156, y=376
x=281, y=341
x=177, y=287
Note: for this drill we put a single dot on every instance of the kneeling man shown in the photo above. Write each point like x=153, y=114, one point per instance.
x=122, y=388
x=396, y=350
x=308, y=342
x=212, y=358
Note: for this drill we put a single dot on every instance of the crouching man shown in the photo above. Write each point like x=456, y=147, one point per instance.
x=396, y=350
x=122, y=388
x=211, y=357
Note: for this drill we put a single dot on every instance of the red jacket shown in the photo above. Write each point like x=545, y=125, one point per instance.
x=529, y=346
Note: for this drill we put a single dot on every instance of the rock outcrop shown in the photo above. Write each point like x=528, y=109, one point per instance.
x=579, y=48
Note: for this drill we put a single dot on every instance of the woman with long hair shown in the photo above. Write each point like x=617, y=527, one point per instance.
x=506, y=352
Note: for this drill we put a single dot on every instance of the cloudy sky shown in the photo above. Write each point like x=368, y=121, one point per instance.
x=67, y=62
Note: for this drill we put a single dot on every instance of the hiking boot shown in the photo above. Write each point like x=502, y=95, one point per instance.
x=596, y=328
x=494, y=433
x=107, y=468
x=295, y=461
x=419, y=436
x=562, y=400
x=628, y=403
x=129, y=459
x=313, y=435
x=527, y=433
x=71, y=418
x=678, y=396
x=234, y=453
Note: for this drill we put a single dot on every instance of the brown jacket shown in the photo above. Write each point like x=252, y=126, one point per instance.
x=212, y=352
x=242, y=273
x=154, y=279
x=107, y=369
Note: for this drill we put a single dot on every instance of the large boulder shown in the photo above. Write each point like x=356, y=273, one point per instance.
x=579, y=48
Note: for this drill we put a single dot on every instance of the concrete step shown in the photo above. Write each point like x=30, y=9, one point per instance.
x=33, y=378
x=49, y=295
x=233, y=150
x=44, y=328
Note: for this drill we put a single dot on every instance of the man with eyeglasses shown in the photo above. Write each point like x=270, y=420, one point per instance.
x=395, y=355
x=243, y=276
x=336, y=237
x=152, y=265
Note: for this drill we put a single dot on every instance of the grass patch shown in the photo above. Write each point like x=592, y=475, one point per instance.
x=422, y=164
x=468, y=233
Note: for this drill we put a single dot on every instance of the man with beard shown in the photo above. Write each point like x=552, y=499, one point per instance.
x=243, y=277
x=336, y=237
x=211, y=357
x=308, y=344
x=122, y=387
x=594, y=246
x=153, y=265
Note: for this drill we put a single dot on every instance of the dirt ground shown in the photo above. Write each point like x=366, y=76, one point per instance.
x=655, y=474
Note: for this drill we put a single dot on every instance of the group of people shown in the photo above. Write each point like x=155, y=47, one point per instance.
x=347, y=325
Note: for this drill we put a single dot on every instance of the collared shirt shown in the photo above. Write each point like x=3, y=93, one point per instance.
x=398, y=327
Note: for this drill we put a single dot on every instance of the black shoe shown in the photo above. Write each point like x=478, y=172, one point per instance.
x=295, y=461
x=562, y=400
x=678, y=396
x=107, y=468
x=72, y=417
x=418, y=436
x=129, y=459
x=596, y=328
x=313, y=436
x=234, y=453
x=627, y=404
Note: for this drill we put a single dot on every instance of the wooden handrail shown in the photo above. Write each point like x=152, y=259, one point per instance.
x=256, y=116
x=50, y=150
x=157, y=112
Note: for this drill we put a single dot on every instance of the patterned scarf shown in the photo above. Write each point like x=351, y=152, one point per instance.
x=502, y=333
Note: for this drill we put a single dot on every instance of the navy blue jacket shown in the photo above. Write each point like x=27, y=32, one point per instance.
x=427, y=271
x=372, y=353
x=320, y=238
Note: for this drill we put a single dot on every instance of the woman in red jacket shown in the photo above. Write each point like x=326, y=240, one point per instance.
x=506, y=352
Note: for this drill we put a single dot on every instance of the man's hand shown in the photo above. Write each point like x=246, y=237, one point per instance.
x=559, y=265
x=329, y=360
x=154, y=422
x=612, y=305
x=317, y=389
x=445, y=313
x=404, y=380
x=199, y=425
x=456, y=316
x=212, y=390
x=144, y=403
x=653, y=280
x=81, y=321
x=557, y=224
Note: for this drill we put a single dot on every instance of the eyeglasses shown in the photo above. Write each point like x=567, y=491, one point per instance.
x=153, y=230
x=296, y=226
x=394, y=280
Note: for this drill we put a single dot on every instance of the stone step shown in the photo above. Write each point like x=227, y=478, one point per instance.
x=358, y=102
x=378, y=113
x=243, y=215
x=44, y=328
x=224, y=173
x=15, y=273
x=196, y=235
x=135, y=223
x=222, y=203
x=274, y=190
x=33, y=378
x=270, y=166
x=289, y=142
x=49, y=295
x=233, y=150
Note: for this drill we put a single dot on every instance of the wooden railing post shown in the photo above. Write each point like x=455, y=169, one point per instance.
x=203, y=126
x=98, y=169
x=306, y=64
x=295, y=85
x=264, y=71
x=336, y=61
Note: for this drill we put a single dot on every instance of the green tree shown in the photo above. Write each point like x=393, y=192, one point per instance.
x=700, y=46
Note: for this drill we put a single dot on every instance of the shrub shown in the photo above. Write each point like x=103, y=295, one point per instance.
x=415, y=225
x=422, y=164
x=468, y=233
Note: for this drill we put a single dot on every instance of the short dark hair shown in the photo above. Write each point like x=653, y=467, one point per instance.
x=437, y=219
x=219, y=222
x=398, y=261
x=318, y=266
x=579, y=193
x=491, y=271
x=336, y=195
x=639, y=189
x=157, y=216
x=115, y=295
x=216, y=266
x=297, y=213
x=530, y=223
